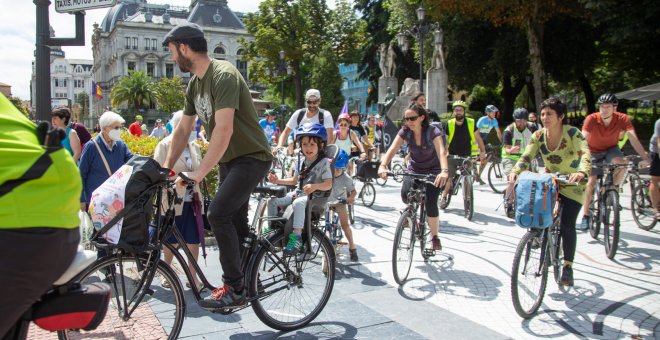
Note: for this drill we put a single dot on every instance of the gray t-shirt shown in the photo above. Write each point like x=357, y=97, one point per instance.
x=341, y=188
x=320, y=172
x=653, y=146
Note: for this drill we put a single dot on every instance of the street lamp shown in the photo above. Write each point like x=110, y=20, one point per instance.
x=281, y=69
x=419, y=31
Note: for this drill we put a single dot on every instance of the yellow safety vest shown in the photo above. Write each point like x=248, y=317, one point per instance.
x=451, y=126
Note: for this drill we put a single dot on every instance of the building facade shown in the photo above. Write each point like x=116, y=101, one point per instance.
x=355, y=90
x=131, y=34
x=68, y=79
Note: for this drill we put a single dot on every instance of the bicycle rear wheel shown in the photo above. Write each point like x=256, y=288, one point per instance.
x=292, y=290
x=611, y=223
x=368, y=194
x=529, y=274
x=137, y=307
x=642, y=208
x=468, y=198
x=594, y=221
x=403, y=247
x=496, y=179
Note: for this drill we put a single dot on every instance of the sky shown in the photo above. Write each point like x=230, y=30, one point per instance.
x=17, y=33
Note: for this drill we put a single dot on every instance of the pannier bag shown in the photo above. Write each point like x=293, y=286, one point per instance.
x=536, y=195
x=121, y=207
x=367, y=169
x=82, y=307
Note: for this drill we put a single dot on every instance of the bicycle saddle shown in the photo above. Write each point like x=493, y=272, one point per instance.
x=273, y=190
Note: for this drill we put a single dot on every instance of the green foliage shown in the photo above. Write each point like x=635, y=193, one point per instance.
x=136, y=89
x=19, y=105
x=170, y=94
x=482, y=96
x=325, y=77
x=347, y=32
x=82, y=98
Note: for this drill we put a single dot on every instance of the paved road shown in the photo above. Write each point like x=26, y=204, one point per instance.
x=465, y=291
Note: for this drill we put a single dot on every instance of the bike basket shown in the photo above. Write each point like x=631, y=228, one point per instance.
x=82, y=307
x=367, y=169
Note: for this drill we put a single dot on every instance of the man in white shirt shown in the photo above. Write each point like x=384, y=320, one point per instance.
x=313, y=113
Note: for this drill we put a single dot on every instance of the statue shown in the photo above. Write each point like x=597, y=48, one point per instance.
x=438, y=61
x=409, y=87
x=386, y=63
x=388, y=101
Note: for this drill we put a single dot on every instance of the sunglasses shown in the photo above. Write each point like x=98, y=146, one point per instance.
x=313, y=101
x=411, y=119
x=343, y=125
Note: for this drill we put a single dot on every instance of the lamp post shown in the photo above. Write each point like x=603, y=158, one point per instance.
x=419, y=31
x=281, y=69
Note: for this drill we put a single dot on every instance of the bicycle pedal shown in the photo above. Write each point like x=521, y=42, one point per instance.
x=429, y=252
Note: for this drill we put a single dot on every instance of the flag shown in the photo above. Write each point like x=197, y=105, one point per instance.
x=345, y=108
x=96, y=90
x=389, y=132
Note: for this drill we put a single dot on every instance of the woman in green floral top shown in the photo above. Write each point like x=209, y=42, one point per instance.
x=564, y=150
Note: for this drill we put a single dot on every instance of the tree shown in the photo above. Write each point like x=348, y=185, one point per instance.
x=82, y=98
x=19, y=105
x=325, y=77
x=347, y=33
x=298, y=28
x=135, y=89
x=170, y=94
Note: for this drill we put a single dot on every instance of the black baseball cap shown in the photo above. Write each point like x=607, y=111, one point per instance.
x=183, y=32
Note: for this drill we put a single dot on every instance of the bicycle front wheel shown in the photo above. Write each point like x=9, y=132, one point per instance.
x=496, y=179
x=397, y=169
x=529, y=275
x=594, y=221
x=368, y=195
x=137, y=307
x=611, y=223
x=468, y=198
x=403, y=247
x=292, y=290
x=642, y=208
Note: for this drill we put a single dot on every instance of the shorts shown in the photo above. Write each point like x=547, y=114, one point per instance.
x=452, y=165
x=340, y=207
x=607, y=155
x=507, y=165
x=655, y=164
x=187, y=225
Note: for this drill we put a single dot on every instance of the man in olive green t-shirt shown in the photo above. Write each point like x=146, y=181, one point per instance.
x=220, y=97
x=39, y=202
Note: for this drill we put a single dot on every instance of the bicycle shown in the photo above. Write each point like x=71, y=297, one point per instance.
x=605, y=208
x=141, y=305
x=537, y=250
x=411, y=227
x=331, y=228
x=367, y=193
x=398, y=167
x=462, y=179
x=284, y=162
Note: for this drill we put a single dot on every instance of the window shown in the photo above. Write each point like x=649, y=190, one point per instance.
x=147, y=44
x=240, y=64
x=128, y=43
x=151, y=68
x=169, y=70
x=78, y=83
x=131, y=66
x=220, y=53
x=135, y=43
x=154, y=44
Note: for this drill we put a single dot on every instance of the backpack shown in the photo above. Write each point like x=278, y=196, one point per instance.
x=121, y=207
x=303, y=112
x=536, y=195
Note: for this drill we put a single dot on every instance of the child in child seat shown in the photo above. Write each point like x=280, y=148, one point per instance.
x=312, y=174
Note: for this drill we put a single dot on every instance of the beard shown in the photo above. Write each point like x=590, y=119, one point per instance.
x=460, y=118
x=185, y=64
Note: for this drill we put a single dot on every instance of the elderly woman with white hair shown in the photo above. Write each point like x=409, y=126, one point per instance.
x=102, y=155
x=191, y=229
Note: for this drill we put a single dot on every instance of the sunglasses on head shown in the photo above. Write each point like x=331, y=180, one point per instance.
x=312, y=102
x=411, y=119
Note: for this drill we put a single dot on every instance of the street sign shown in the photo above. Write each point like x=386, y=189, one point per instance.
x=68, y=6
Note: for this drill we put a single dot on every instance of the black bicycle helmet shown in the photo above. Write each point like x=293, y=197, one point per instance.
x=608, y=98
x=520, y=113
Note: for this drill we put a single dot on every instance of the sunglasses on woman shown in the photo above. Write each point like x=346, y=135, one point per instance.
x=411, y=119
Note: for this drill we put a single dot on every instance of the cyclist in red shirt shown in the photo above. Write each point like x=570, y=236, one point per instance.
x=136, y=129
x=602, y=130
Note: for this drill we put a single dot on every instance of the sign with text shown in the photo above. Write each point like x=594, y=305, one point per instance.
x=68, y=6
